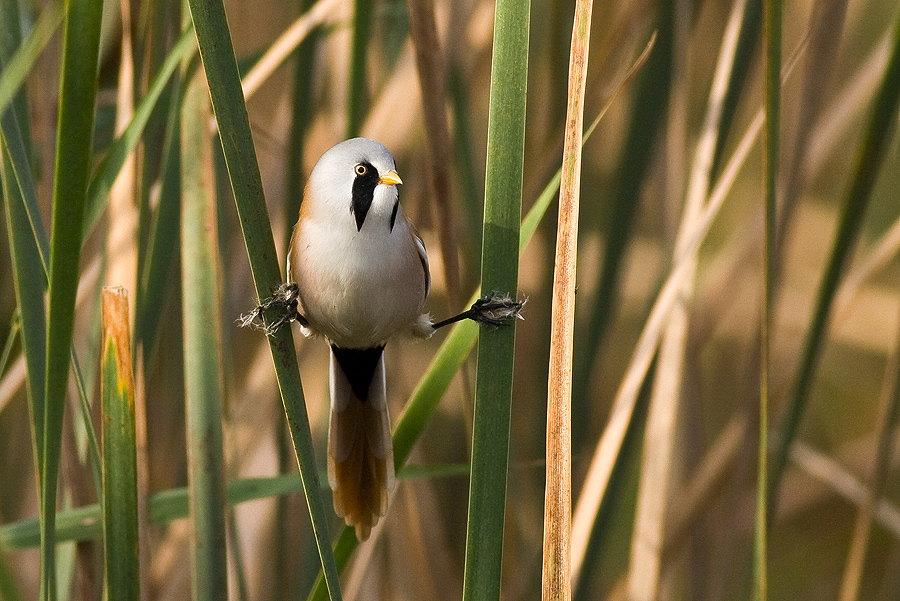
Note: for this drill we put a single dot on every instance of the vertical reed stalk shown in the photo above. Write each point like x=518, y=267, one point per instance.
x=499, y=270
x=556, y=581
x=432, y=74
x=120, y=499
x=203, y=377
x=78, y=87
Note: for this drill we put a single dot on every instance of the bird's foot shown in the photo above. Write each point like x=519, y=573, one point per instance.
x=494, y=309
x=285, y=300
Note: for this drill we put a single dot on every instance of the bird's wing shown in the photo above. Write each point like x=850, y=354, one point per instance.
x=423, y=257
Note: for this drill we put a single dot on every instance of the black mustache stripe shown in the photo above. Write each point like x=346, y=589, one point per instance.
x=363, y=193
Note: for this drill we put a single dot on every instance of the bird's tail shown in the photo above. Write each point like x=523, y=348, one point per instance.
x=360, y=448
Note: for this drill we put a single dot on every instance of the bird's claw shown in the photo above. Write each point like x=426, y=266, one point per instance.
x=285, y=299
x=496, y=309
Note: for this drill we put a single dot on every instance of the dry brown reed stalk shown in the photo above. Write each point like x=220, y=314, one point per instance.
x=556, y=580
x=432, y=73
x=659, y=445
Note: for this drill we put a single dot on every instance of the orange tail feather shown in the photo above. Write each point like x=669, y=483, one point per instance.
x=360, y=448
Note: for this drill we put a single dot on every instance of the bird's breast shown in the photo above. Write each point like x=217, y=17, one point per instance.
x=357, y=288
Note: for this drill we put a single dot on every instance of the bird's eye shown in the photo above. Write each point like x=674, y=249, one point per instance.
x=361, y=169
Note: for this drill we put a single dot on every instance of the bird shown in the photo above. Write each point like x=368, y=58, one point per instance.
x=362, y=278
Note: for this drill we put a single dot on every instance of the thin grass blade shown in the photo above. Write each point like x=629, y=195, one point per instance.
x=30, y=284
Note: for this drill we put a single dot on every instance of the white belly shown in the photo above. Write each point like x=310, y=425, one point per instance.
x=361, y=292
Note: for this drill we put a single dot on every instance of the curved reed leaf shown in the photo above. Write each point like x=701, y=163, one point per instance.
x=30, y=284
x=17, y=67
x=28, y=269
x=20, y=172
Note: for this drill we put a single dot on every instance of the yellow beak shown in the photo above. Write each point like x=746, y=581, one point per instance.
x=390, y=178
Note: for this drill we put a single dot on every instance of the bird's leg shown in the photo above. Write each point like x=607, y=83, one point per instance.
x=286, y=299
x=494, y=309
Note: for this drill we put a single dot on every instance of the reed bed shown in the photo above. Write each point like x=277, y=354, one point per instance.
x=708, y=405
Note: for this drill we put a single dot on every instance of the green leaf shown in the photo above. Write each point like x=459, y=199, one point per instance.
x=73, y=159
x=120, y=498
x=30, y=284
x=499, y=271
x=203, y=377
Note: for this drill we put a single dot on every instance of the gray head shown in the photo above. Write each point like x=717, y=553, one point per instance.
x=357, y=176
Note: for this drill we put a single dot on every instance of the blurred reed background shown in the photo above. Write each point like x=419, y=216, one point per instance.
x=676, y=520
